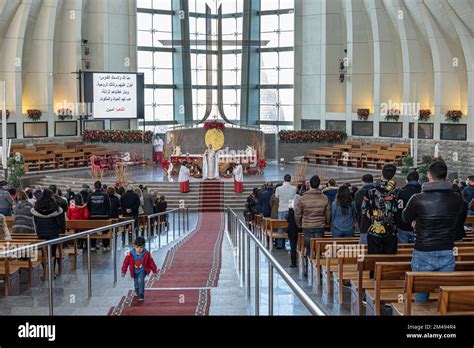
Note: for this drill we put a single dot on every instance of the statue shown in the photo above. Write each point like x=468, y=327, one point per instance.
x=177, y=151
x=210, y=164
x=436, y=151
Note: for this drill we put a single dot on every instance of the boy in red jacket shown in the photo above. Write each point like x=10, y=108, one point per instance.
x=140, y=262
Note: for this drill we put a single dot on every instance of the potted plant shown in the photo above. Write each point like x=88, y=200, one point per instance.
x=64, y=114
x=363, y=114
x=424, y=115
x=34, y=114
x=453, y=116
x=392, y=115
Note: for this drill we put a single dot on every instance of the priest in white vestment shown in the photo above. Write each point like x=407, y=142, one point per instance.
x=210, y=164
x=183, y=178
x=238, y=173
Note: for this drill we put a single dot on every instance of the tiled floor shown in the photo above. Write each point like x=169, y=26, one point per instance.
x=273, y=172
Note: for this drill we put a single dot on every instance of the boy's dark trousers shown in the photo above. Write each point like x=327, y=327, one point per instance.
x=139, y=280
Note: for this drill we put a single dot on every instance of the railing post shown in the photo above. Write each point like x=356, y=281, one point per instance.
x=248, y=267
x=89, y=267
x=239, y=247
x=114, y=246
x=50, y=279
x=187, y=219
x=158, y=231
x=242, y=258
x=257, y=280
x=270, y=288
x=174, y=226
x=149, y=233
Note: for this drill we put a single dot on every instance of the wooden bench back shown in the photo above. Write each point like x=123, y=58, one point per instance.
x=456, y=300
x=83, y=225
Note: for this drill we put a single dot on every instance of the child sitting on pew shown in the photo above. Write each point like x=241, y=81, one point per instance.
x=140, y=262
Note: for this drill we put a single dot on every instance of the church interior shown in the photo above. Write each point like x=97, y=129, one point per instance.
x=237, y=158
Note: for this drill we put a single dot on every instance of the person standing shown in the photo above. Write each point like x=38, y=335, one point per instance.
x=148, y=202
x=184, y=178
x=264, y=196
x=460, y=230
x=380, y=206
x=49, y=219
x=6, y=200
x=130, y=203
x=343, y=213
x=468, y=194
x=98, y=203
x=331, y=190
x=363, y=222
x=312, y=214
x=435, y=213
x=158, y=150
x=114, y=203
x=238, y=174
x=292, y=231
x=405, y=233
x=23, y=220
x=286, y=194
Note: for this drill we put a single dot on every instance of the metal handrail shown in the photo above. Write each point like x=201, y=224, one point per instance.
x=237, y=228
x=72, y=237
x=114, y=227
x=184, y=210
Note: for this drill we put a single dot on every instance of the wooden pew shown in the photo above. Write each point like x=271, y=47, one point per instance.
x=73, y=144
x=319, y=156
x=386, y=291
x=40, y=161
x=456, y=300
x=270, y=226
x=428, y=282
x=378, y=161
x=75, y=226
x=354, y=159
x=355, y=144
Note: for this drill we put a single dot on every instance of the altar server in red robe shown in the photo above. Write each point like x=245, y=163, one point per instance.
x=184, y=178
x=238, y=173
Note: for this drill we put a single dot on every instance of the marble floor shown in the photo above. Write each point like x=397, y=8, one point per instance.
x=273, y=172
x=228, y=298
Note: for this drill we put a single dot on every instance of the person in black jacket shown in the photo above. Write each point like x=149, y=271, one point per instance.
x=460, y=231
x=161, y=207
x=434, y=214
x=114, y=203
x=85, y=192
x=49, y=218
x=405, y=232
x=363, y=221
x=98, y=203
x=130, y=202
x=263, y=198
x=292, y=231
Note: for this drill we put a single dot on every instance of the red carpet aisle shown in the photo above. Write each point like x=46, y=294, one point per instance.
x=190, y=269
x=212, y=196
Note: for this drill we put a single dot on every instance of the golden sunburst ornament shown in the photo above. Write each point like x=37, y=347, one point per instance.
x=215, y=137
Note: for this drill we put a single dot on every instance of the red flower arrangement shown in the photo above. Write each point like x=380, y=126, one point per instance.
x=262, y=164
x=34, y=114
x=312, y=136
x=453, y=115
x=214, y=124
x=363, y=114
x=424, y=114
x=8, y=113
x=117, y=136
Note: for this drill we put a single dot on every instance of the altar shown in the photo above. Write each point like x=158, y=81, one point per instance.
x=249, y=160
x=232, y=144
